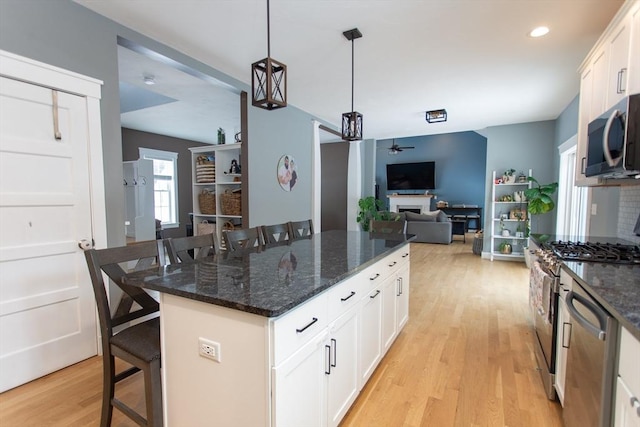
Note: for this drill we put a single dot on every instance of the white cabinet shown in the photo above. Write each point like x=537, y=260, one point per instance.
x=389, y=310
x=509, y=218
x=370, y=333
x=610, y=72
x=342, y=388
x=627, y=398
x=618, y=79
x=299, y=386
x=365, y=314
x=584, y=117
x=213, y=173
x=563, y=334
x=402, y=296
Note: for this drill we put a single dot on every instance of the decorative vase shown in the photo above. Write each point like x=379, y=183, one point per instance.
x=506, y=249
x=505, y=233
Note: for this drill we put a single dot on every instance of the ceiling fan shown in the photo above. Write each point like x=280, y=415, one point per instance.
x=395, y=148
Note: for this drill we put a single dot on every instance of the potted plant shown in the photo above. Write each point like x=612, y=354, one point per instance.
x=372, y=208
x=539, y=197
x=540, y=202
x=505, y=248
x=504, y=231
x=507, y=176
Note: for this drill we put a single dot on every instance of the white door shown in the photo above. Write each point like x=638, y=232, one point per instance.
x=47, y=309
x=343, y=378
x=299, y=384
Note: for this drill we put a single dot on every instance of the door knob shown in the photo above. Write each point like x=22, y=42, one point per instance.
x=85, y=244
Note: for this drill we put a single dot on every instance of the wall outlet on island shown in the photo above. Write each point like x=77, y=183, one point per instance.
x=209, y=349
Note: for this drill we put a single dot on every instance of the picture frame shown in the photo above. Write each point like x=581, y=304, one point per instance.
x=519, y=214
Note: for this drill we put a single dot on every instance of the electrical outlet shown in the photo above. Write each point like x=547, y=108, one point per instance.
x=209, y=349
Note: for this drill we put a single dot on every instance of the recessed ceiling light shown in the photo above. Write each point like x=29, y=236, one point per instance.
x=538, y=32
x=149, y=80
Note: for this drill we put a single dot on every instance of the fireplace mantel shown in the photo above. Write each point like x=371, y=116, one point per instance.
x=410, y=201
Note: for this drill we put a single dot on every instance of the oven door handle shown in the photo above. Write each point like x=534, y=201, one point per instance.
x=596, y=331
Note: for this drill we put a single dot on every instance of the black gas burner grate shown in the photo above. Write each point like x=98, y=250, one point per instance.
x=596, y=252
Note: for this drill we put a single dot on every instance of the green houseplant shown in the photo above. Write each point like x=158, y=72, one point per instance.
x=540, y=202
x=539, y=197
x=371, y=208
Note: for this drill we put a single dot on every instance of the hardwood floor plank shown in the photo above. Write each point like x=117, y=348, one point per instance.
x=464, y=358
x=469, y=321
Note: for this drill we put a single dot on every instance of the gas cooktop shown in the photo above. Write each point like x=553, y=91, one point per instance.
x=612, y=253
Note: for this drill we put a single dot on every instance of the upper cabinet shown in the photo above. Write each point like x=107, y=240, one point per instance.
x=610, y=72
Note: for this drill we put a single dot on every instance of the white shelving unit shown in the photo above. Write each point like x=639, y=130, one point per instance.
x=222, y=156
x=499, y=208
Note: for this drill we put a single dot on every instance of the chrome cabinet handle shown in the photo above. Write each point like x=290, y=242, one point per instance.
x=393, y=263
x=619, y=88
x=346, y=298
x=374, y=277
x=375, y=295
x=405, y=255
x=314, y=320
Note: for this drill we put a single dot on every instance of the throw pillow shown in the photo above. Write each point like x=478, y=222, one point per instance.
x=442, y=217
x=412, y=216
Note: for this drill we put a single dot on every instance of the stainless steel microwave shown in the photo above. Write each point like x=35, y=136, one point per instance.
x=613, y=149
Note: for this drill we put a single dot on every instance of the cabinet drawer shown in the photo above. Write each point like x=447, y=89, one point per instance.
x=399, y=257
x=296, y=328
x=345, y=295
x=629, y=362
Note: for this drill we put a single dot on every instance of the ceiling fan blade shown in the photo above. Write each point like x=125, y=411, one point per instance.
x=406, y=147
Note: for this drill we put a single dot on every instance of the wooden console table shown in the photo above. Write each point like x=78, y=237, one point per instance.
x=410, y=201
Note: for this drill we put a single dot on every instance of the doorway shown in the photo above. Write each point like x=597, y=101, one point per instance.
x=335, y=165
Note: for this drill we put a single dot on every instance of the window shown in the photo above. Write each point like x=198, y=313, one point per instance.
x=165, y=185
x=572, y=200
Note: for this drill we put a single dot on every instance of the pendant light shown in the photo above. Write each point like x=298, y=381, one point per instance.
x=269, y=79
x=352, y=121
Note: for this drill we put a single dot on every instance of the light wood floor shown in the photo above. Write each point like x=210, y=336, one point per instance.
x=465, y=358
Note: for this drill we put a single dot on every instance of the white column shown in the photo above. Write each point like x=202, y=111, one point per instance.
x=354, y=185
x=316, y=186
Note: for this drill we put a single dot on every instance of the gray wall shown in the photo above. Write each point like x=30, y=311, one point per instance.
x=273, y=134
x=521, y=147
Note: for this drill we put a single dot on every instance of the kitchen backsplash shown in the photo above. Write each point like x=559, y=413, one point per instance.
x=628, y=212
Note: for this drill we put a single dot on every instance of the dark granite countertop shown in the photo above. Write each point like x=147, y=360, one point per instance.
x=616, y=287
x=271, y=281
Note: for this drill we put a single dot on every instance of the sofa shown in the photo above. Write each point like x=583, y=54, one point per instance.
x=432, y=227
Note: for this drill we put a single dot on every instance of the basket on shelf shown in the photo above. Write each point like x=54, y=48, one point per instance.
x=230, y=202
x=207, y=202
x=205, y=170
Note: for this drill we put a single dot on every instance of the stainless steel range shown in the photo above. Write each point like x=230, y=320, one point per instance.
x=590, y=332
x=613, y=253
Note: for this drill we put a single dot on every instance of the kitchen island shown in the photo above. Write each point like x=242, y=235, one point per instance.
x=285, y=336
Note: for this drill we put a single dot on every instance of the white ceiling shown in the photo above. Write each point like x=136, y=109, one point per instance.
x=472, y=57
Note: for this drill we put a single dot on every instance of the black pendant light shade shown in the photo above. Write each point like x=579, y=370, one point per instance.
x=352, y=126
x=352, y=121
x=435, y=116
x=268, y=79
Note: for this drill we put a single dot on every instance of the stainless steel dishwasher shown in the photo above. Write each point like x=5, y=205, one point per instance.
x=590, y=362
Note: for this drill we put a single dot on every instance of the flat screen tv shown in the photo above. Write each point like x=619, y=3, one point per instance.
x=411, y=176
